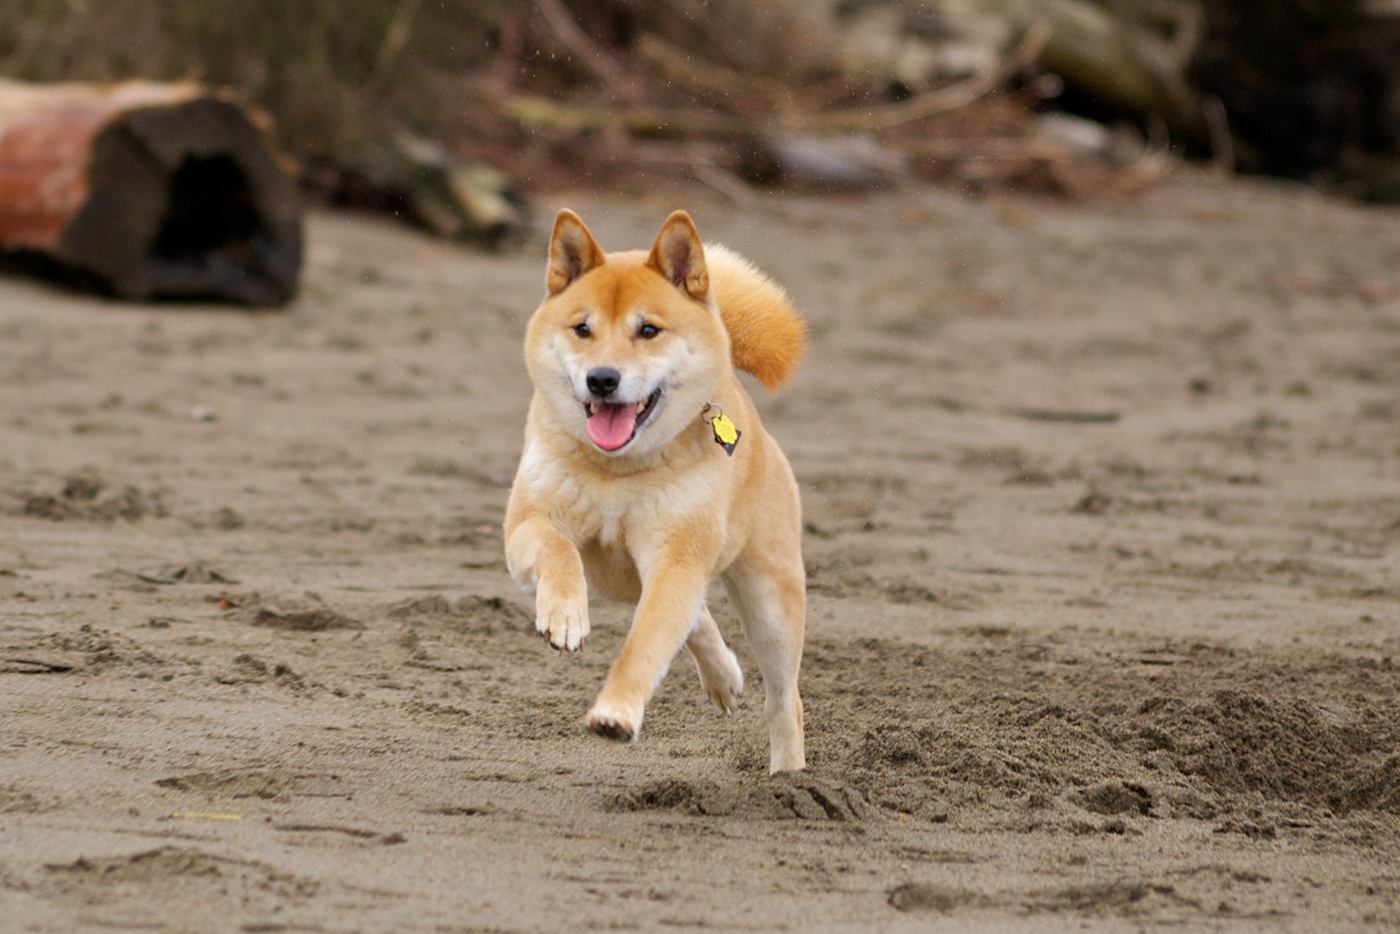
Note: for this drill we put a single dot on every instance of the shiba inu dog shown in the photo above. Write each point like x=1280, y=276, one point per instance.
x=646, y=473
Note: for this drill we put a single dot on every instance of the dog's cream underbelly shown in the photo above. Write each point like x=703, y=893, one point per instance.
x=611, y=572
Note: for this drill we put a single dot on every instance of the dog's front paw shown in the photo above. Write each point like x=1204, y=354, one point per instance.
x=563, y=623
x=614, y=723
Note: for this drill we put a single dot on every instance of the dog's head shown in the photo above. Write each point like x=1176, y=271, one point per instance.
x=626, y=348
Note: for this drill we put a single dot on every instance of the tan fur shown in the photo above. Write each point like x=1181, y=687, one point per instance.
x=655, y=520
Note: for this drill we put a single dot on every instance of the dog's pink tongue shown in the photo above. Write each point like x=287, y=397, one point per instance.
x=612, y=425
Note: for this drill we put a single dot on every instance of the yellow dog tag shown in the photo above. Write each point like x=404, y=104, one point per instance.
x=726, y=435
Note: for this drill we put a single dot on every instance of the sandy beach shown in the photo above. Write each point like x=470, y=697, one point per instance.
x=1103, y=537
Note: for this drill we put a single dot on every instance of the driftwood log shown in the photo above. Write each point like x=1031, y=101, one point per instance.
x=1113, y=58
x=146, y=191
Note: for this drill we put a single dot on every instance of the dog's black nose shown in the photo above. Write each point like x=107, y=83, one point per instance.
x=603, y=382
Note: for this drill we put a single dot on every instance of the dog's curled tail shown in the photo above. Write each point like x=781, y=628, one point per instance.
x=766, y=333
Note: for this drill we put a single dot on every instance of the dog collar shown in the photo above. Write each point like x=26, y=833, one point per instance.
x=726, y=435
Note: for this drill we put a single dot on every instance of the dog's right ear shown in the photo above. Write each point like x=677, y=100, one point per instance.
x=572, y=252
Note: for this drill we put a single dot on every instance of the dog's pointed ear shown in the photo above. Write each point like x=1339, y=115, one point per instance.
x=678, y=255
x=572, y=252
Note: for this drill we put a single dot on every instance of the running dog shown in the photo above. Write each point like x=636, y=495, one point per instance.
x=646, y=474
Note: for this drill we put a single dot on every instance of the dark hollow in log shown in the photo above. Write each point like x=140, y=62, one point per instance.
x=146, y=192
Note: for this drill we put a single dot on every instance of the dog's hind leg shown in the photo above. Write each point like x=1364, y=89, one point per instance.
x=771, y=599
x=720, y=674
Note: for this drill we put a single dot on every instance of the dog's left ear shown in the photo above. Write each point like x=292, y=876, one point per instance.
x=678, y=255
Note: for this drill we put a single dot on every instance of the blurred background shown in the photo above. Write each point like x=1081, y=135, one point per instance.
x=450, y=112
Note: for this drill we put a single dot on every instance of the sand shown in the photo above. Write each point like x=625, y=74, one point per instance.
x=1102, y=513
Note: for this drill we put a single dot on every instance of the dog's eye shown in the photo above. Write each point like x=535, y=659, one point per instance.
x=648, y=331
x=582, y=330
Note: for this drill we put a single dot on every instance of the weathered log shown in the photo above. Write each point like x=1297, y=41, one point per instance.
x=420, y=179
x=147, y=191
x=1128, y=56
x=1125, y=67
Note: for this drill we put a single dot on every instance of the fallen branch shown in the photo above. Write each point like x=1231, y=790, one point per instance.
x=748, y=94
x=642, y=121
x=938, y=101
x=992, y=147
x=535, y=111
x=585, y=50
x=645, y=121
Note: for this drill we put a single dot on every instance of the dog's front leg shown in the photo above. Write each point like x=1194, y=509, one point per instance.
x=541, y=559
x=672, y=595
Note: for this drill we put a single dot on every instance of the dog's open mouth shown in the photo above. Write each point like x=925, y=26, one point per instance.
x=611, y=425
